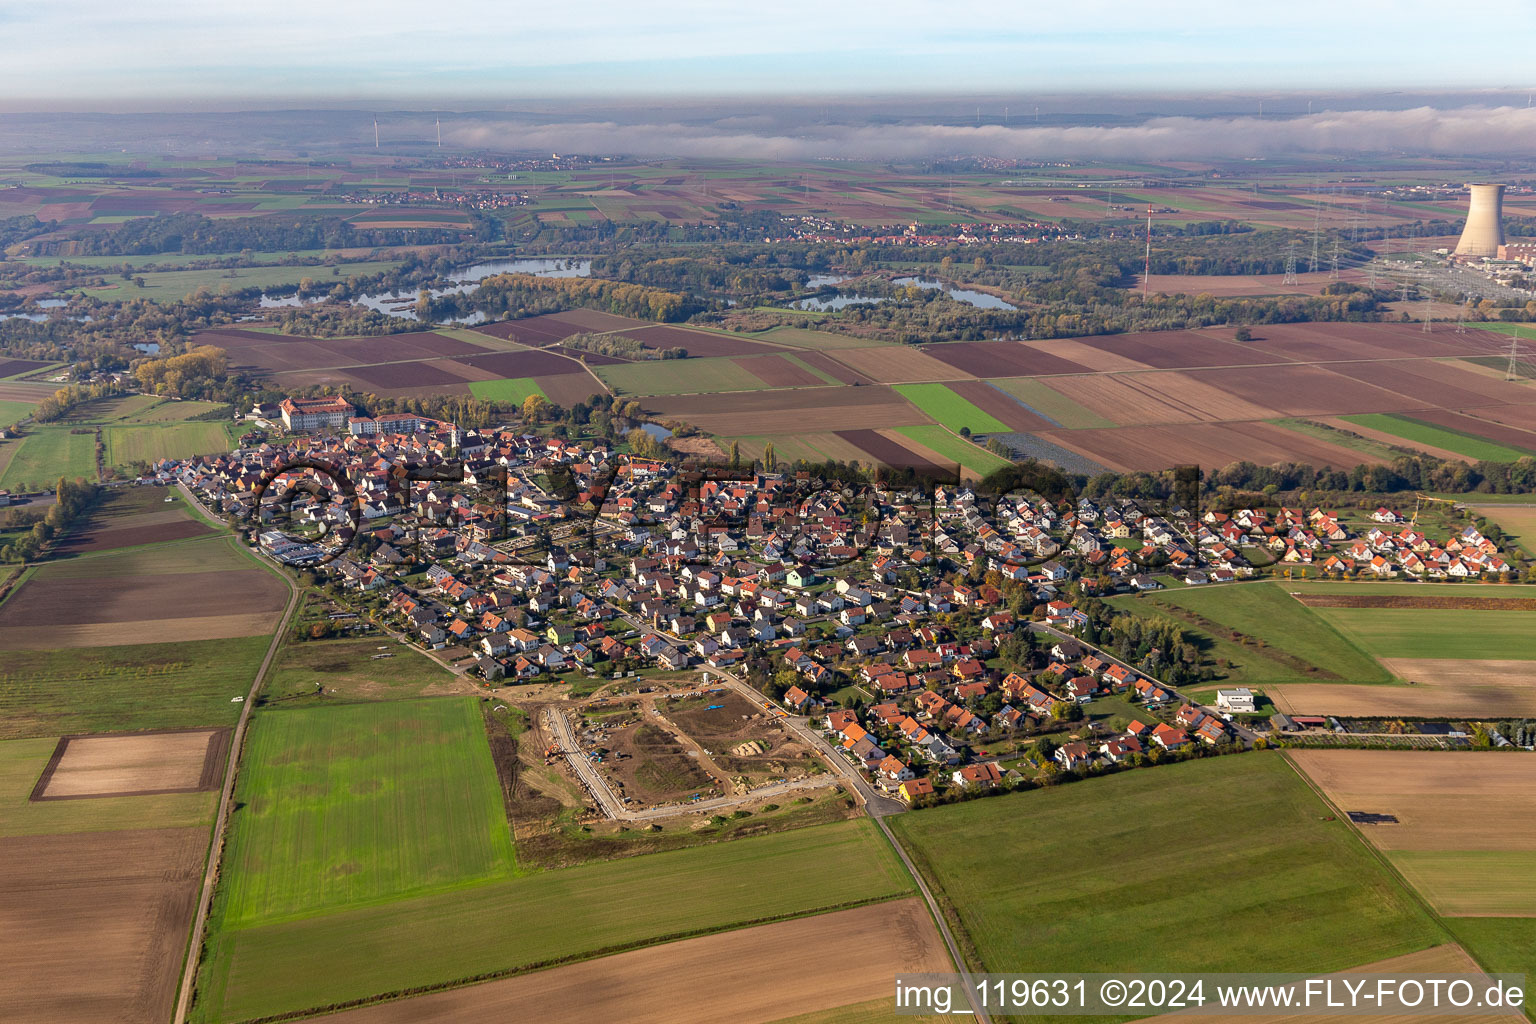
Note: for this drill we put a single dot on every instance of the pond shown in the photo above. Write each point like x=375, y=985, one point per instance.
x=835, y=302
x=981, y=300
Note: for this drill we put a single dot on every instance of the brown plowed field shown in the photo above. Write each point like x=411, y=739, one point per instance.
x=1227, y=286
x=133, y=763
x=1520, y=416
x=1432, y=383
x=1510, y=436
x=1303, y=390
x=698, y=343
x=1210, y=445
x=995, y=403
x=95, y=923
x=1442, y=687
x=778, y=372
x=597, y=322
x=569, y=388
x=884, y=450
x=11, y=367
x=1072, y=350
x=129, y=536
x=537, y=331
x=1116, y=398
x=661, y=984
x=523, y=364
x=387, y=376
x=1171, y=350
x=832, y=368
x=20, y=391
x=1004, y=359
x=806, y=409
x=896, y=364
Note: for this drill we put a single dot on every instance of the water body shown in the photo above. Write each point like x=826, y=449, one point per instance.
x=823, y=280
x=656, y=430
x=149, y=348
x=836, y=302
x=51, y=303
x=981, y=300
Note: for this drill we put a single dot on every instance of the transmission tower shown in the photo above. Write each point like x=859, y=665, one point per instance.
x=1317, y=233
x=1290, y=263
x=1513, y=373
x=1335, y=257
x=1428, y=324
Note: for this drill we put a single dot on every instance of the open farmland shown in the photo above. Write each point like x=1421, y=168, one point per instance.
x=680, y=377
x=1501, y=944
x=1465, y=834
x=150, y=443
x=511, y=389
x=128, y=517
x=564, y=915
x=22, y=764
x=96, y=923
x=1518, y=524
x=372, y=668
x=1298, y=892
x=353, y=805
x=985, y=359
x=1442, y=687
x=1203, y=444
x=807, y=409
x=893, y=364
x=44, y=454
x=641, y=986
x=943, y=404
x=139, y=686
x=699, y=344
x=1048, y=403
x=977, y=461
x=1436, y=632
x=130, y=764
x=1415, y=431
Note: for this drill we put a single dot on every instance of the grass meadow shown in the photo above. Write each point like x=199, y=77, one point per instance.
x=544, y=917
x=1048, y=402
x=1223, y=864
x=507, y=389
x=1437, y=633
x=1410, y=429
x=150, y=442
x=951, y=446
x=47, y=453
x=352, y=805
x=680, y=377
x=948, y=408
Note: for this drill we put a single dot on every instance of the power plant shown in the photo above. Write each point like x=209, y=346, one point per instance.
x=1484, y=232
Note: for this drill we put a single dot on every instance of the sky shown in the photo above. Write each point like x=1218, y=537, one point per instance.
x=195, y=54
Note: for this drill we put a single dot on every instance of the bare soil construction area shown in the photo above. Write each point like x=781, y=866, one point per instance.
x=739, y=738
x=95, y=923
x=1443, y=687
x=661, y=984
x=134, y=764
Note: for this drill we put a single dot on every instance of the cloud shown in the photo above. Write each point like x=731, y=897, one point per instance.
x=1468, y=131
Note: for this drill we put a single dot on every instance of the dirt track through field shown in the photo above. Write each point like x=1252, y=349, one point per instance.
x=94, y=924
x=750, y=976
x=1443, y=687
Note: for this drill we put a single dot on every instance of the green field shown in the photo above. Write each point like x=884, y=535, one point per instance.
x=1298, y=637
x=1475, y=448
x=679, y=377
x=46, y=454
x=1503, y=945
x=974, y=458
x=22, y=762
x=351, y=670
x=799, y=337
x=136, y=686
x=1460, y=882
x=148, y=443
x=1437, y=633
x=173, y=285
x=954, y=412
x=508, y=389
x=355, y=805
x=1051, y=403
x=544, y=917
x=1223, y=864
x=1518, y=524
x=13, y=412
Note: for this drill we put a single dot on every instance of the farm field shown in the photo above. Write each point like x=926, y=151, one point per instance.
x=173, y=285
x=1501, y=944
x=1411, y=429
x=810, y=410
x=152, y=442
x=941, y=403
x=1518, y=524
x=131, y=764
x=139, y=686
x=680, y=376
x=563, y=915
x=47, y=453
x=508, y=389
x=641, y=986
x=1296, y=635
x=976, y=460
x=1052, y=404
x=361, y=804
x=1436, y=633
x=1441, y=688
x=1465, y=835
x=354, y=670
x=1298, y=893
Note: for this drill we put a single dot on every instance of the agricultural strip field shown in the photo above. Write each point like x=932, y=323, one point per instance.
x=783, y=371
x=1051, y=404
x=1465, y=834
x=1518, y=524
x=173, y=285
x=976, y=460
x=1298, y=892
x=128, y=764
x=807, y=409
x=150, y=443
x=1442, y=687
x=641, y=986
x=96, y=923
x=699, y=344
x=569, y=914
x=799, y=337
x=47, y=453
x=1205, y=444
x=1501, y=944
x=1299, y=636
x=951, y=410
x=511, y=389
x=1418, y=431
x=140, y=686
x=892, y=364
x=1436, y=633
x=679, y=377
x=360, y=804
x=987, y=359
x=22, y=764
x=17, y=367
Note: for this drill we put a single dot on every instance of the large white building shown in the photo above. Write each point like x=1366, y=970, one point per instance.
x=302, y=414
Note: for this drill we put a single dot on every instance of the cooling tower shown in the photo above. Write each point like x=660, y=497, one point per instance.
x=1484, y=232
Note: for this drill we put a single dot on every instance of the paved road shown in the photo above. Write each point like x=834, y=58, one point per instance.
x=226, y=794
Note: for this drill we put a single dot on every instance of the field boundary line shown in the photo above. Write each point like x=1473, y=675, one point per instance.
x=193, y=956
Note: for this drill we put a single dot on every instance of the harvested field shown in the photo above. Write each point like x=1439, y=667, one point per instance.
x=1302, y=389
x=1003, y=359
x=1519, y=416
x=1000, y=405
x=808, y=409
x=1206, y=444
x=537, y=331
x=48, y=601
x=569, y=388
x=896, y=364
x=1173, y=350
x=524, y=364
x=778, y=372
x=1074, y=351
x=1443, y=687
x=1432, y=383
x=1511, y=437
x=700, y=344
x=117, y=903
x=1465, y=825
x=884, y=450
x=834, y=369
x=592, y=320
x=641, y=987
x=133, y=764
x=389, y=348
x=13, y=367
x=1512, y=602
x=132, y=532
x=389, y=376
x=1048, y=403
